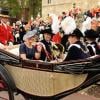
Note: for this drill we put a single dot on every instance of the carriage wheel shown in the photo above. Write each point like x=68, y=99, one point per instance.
x=5, y=92
x=7, y=85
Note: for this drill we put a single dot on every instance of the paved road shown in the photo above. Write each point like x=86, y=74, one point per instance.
x=5, y=96
x=75, y=96
x=78, y=96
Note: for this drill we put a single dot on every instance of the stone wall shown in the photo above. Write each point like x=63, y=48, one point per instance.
x=58, y=6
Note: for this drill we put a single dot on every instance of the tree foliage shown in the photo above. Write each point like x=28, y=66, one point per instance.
x=17, y=7
x=35, y=7
x=12, y=5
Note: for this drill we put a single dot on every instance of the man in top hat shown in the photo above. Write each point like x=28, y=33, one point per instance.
x=6, y=36
x=92, y=45
x=76, y=49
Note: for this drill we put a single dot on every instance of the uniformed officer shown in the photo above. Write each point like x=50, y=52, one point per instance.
x=76, y=49
x=6, y=36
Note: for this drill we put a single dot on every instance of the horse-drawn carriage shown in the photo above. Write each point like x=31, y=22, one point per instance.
x=44, y=80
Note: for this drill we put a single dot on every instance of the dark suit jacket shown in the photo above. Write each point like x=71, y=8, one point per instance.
x=77, y=51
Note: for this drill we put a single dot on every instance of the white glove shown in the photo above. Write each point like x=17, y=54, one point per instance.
x=10, y=44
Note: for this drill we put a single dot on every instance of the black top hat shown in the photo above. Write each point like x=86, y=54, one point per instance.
x=91, y=34
x=4, y=12
x=47, y=30
x=76, y=33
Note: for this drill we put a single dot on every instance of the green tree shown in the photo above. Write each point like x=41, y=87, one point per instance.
x=12, y=6
x=21, y=7
x=35, y=7
x=30, y=8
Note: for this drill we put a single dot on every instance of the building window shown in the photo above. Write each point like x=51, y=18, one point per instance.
x=49, y=1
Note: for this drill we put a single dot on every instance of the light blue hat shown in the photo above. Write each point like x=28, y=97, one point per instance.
x=29, y=34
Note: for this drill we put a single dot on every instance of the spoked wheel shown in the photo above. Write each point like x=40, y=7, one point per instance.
x=5, y=92
x=7, y=84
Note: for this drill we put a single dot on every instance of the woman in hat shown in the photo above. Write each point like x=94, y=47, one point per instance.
x=27, y=50
x=76, y=49
x=47, y=36
x=92, y=45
